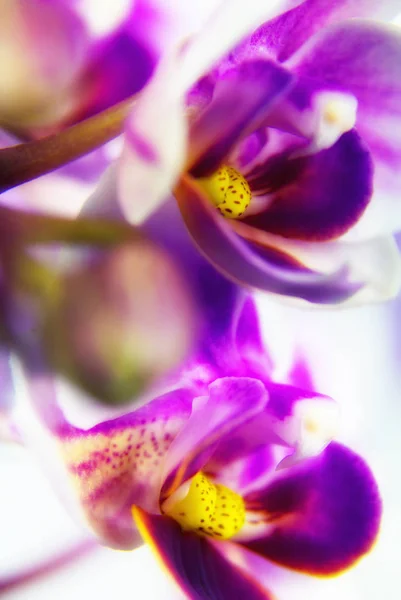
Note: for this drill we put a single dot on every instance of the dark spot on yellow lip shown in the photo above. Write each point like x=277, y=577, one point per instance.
x=228, y=190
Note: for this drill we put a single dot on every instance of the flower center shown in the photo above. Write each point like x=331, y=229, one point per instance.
x=209, y=509
x=228, y=190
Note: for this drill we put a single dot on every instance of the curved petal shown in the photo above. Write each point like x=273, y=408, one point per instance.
x=195, y=563
x=374, y=265
x=294, y=424
x=286, y=33
x=316, y=197
x=242, y=99
x=362, y=58
x=232, y=401
x=322, y=517
x=234, y=258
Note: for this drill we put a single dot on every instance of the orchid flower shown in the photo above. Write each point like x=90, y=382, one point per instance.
x=283, y=153
x=223, y=470
x=366, y=382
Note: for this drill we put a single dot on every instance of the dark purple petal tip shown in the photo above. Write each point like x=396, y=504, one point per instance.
x=316, y=197
x=198, y=568
x=327, y=514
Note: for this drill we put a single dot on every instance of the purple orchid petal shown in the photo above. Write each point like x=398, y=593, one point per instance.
x=242, y=98
x=248, y=338
x=321, y=517
x=286, y=33
x=232, y=401
x=119, y=64
x=315, y=197
x=373, y=265
x=118, y=463
x=235, y=258
x=363, y=58
x=195, y=563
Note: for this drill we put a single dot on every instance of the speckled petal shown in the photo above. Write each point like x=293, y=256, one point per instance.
x=236, y=259
x=231, y=402
x=195, y=563
x=119, y=463
x=316, y=197
x=322, y=516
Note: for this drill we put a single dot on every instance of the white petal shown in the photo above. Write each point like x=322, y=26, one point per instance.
x=154, y=149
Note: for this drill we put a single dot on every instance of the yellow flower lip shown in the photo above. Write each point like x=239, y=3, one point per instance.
x=228, y=190
x=209, y=509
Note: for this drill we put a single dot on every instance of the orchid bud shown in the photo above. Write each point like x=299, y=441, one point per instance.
x=42, y=51
x=120, y=322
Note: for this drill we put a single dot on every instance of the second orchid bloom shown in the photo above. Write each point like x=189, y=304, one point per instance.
x=288, y=180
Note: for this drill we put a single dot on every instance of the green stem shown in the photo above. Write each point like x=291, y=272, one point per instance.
x=19, y=227
x=24, y=162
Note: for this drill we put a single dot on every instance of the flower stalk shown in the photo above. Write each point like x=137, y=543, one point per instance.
x=24, y=162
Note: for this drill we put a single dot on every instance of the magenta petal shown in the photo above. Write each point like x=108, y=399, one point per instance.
x=199, y=569
x=316, y=197
x=322, y=516
x=232, y=401
x=118, y=67
x=242, y=99
x=289, y=31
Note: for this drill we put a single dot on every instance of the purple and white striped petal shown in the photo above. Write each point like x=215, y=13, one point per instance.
x=195, y=563
x=320, y=517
